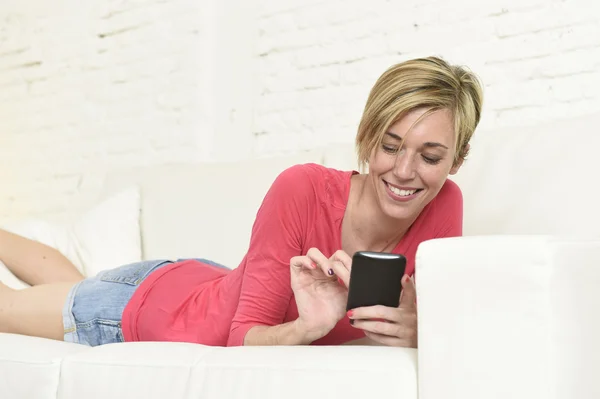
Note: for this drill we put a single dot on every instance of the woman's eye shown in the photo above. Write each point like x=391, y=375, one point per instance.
x=431, y=160
x=389, y=149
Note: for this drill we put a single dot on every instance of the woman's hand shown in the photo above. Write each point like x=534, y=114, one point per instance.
x=390, y=326
x=320, y=297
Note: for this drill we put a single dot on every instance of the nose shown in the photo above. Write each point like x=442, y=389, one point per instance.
x=404, y=167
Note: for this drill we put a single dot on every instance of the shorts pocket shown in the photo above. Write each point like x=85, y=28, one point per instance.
x=109, y=331
x=99, y=332
x=131, y=274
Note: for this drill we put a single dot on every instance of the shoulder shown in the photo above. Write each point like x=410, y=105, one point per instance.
x=446, y=207
x=302, y=176
x=294, y=199
x=450, y=193
x=445, y=213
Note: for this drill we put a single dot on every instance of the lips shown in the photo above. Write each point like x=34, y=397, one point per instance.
x=401, y=193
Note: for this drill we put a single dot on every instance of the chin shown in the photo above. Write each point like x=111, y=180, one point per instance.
x=401, y=214
x=401, y=211
x=403, y=207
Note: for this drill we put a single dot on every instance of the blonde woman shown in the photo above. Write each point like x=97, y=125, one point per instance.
x=291, y=287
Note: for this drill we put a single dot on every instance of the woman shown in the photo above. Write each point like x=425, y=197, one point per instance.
x=291, y=287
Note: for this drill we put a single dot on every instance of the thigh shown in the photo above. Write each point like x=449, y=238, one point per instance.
x=94, y=308
x=34, y=311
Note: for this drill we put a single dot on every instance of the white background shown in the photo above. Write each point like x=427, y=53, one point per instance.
x=97, y=85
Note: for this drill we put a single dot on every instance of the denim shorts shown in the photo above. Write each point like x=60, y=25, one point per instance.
x=94, y=307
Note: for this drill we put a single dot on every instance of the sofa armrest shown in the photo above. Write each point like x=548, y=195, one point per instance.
x=508, y=316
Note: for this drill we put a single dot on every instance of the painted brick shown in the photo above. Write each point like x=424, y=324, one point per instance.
x=88, y=87
x=537, y=59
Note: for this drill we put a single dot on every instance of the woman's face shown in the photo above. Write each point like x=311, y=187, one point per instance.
x=406, y=179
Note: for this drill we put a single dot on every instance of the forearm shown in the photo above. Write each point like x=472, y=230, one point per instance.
x=290, y=333
x=34, y=262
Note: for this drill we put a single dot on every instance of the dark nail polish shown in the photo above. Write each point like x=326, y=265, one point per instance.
x=330, y=272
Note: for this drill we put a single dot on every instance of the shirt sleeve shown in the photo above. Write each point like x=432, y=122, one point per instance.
x=450, y=207
x=278, y=234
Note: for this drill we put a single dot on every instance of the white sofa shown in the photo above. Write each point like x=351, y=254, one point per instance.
x=509, y=310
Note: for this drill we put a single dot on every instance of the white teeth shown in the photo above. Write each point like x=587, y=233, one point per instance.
x=402, y=193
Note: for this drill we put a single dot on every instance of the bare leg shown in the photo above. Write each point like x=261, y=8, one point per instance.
x=34, y=311
x=34, y=262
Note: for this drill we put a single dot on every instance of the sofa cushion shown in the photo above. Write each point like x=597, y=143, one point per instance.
x=203, y=210
x=30, y=367
x=179, y=370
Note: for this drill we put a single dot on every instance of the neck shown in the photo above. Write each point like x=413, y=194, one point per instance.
x=369, y=226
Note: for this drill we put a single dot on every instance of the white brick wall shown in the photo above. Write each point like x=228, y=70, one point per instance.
x=96, y=85
x=538, y=59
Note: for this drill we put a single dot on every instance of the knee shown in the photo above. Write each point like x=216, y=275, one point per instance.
x=5, y=291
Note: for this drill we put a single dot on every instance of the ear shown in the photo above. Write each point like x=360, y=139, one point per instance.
x=458, y=164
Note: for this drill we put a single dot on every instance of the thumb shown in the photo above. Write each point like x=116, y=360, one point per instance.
x=408, y=298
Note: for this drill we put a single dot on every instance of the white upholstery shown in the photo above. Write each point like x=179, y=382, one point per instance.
x=177, y=370
x=503, y=313
x=203, y=210
x=534, y=180
x=31, y=367
x=509, y=317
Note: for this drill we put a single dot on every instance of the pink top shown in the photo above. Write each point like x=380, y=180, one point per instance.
x=190, y=301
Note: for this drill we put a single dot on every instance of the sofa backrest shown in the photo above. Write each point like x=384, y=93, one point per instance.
x=201, y=210
x=528, y=180
x=539, y=179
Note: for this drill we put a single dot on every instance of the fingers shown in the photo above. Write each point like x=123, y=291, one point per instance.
x=408, y=298
x=342, y=264
x=394, y=315
x=321, y=261
x=298, y=263
x=383, y=330
x=333, y=266
x=398, y=331
x=338, y=266
x=392, y=341
x=343, y=257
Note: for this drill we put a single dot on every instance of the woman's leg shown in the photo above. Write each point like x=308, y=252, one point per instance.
x=34, y=262
x=35, y=311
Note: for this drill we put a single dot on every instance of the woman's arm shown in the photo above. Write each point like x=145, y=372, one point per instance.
x=320, y=300
x=278, y=235
x=290, y=333
x=33, y=262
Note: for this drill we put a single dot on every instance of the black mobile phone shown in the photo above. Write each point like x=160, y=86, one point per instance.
x=375, y=279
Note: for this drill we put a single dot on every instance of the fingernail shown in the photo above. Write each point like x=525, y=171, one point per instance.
x=350, y=313
x=330, y=272
x=313, y=265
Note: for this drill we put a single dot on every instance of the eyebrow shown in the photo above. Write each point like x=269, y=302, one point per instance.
x=426, y=144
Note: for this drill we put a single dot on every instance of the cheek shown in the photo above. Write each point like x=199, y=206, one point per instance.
x=381, y=162
x=434, y=178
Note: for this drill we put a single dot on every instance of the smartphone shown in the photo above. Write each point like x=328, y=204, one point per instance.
x=375, y=279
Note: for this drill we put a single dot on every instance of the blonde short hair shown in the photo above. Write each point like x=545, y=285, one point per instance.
x=423, y=82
